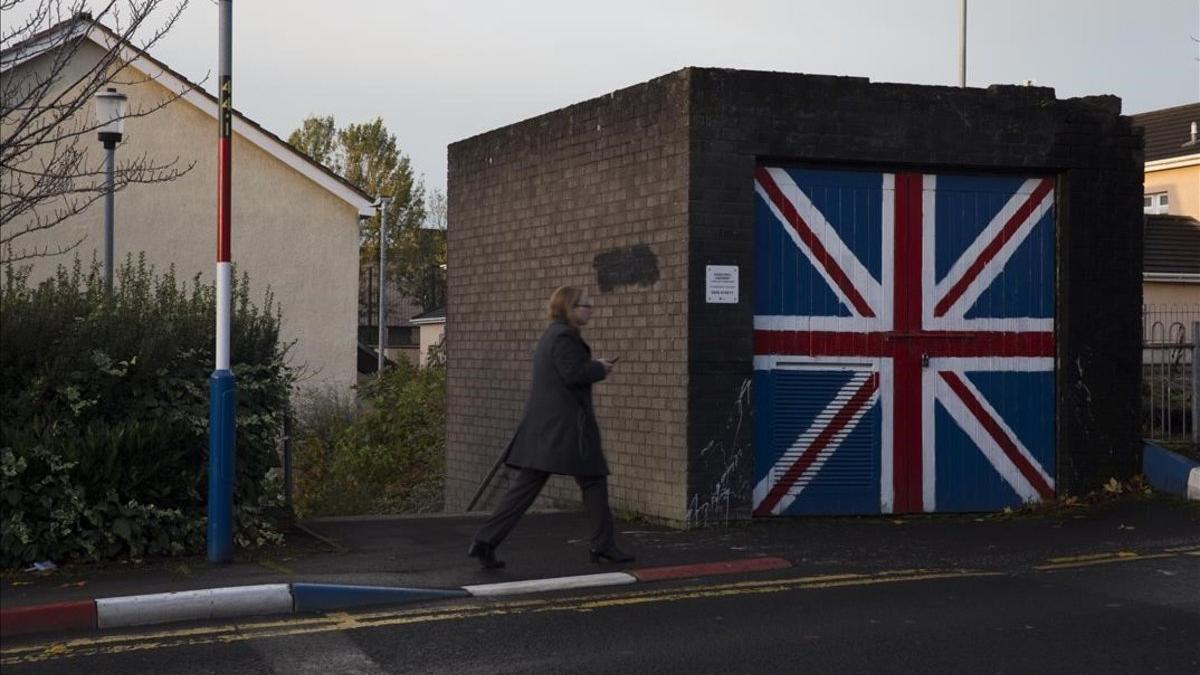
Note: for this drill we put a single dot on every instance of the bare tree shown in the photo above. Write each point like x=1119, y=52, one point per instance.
x=46, y=172
x=436, y=207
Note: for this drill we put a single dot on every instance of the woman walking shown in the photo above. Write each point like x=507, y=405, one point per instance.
x=558, y=433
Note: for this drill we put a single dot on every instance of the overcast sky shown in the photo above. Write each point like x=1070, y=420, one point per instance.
x=441, y=71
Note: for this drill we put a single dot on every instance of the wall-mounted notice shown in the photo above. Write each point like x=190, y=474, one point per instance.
x=722, y=284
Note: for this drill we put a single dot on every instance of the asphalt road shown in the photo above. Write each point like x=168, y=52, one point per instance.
x=1080, y=615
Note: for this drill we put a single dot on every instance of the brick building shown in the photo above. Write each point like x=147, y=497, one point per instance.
x=644, y=194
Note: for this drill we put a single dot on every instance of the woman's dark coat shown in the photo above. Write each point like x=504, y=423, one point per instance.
x=558, y=432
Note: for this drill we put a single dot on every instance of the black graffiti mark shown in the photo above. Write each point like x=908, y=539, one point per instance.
x=633, y=266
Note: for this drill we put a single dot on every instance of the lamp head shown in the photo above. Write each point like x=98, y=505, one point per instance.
x=110, y=116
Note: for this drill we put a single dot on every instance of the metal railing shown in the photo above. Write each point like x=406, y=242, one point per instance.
x=1170, y=373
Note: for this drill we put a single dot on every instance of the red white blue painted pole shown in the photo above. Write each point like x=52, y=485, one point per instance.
x=222, y=391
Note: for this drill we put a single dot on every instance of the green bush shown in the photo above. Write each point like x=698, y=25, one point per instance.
x=104, y=438
x=385, y=455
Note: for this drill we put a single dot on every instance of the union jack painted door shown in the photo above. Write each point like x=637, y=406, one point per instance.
x=903, y=341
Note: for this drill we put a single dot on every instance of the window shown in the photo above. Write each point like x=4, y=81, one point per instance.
x=1155, y=203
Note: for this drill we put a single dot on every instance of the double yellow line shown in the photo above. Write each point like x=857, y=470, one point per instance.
x=1113, y=557
x=342, y=621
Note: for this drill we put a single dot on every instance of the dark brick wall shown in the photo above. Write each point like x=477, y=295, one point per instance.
x=593, y=195
x=738, y=118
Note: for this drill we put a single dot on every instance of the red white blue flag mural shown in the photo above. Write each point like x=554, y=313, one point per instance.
x=903, y=341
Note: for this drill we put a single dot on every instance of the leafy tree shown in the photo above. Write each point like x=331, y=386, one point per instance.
x=317, y=138
x=420, y=266
x=371, y=160
x=50, y=166
x=422, y=273
x=368, y=156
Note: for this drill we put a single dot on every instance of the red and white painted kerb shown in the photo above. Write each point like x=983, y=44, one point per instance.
x=552, y=584
x=295, y=598
x=209, y=603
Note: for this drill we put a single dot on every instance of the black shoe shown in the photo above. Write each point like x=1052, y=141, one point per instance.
x=611, y=554
x=486, y=554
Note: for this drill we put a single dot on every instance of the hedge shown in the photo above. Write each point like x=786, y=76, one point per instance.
x=104, y=437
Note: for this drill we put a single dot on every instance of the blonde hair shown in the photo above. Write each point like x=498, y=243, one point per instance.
x=561, y=302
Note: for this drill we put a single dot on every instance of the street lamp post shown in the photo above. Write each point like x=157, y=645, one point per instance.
x=962, y=45
x=384, y=202
x=110, y=120
x=222, y=385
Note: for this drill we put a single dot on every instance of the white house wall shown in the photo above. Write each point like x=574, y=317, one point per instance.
x=289, y=234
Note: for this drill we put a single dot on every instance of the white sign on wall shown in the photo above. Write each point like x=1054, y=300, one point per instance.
x=722, y=284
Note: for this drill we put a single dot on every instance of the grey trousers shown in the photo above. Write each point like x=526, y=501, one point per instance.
x=525, y=489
